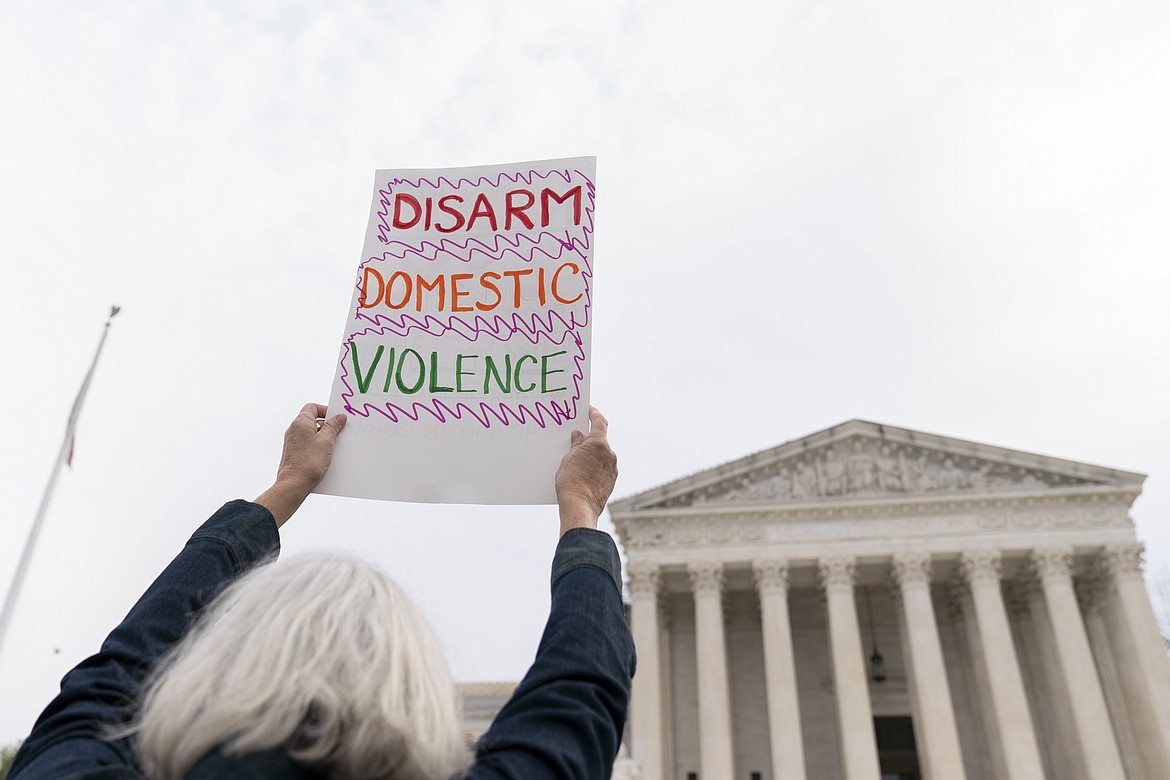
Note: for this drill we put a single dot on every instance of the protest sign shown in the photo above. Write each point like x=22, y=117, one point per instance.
x=464, y=363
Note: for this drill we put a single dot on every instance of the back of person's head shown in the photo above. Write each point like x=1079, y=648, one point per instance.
x=322, y=655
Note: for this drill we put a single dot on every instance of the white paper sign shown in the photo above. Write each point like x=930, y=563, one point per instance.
x=465, y=359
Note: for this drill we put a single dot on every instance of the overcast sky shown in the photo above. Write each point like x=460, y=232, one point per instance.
x=944, y=216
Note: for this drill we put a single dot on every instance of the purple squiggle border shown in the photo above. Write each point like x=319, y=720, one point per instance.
x=540, y=413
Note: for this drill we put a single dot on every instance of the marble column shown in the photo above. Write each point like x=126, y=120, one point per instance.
x=859, y=758
x=780, y=671
x=1141, y=653
x=646, y=697
x=1013, y=723
x=1036, y=651
x=987, y=758
x=942, y=758
x=1078, y=674
x=1091, y=594
x=716, y=753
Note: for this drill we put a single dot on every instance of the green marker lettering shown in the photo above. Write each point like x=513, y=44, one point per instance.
x=520, y=363
x=491, y=369
x=422, y=372
x=435, y=387
x=545, y=371
x=460, y=373
x=389, y=371
x=364, y=384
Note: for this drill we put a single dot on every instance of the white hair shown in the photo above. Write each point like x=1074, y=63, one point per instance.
x=322, y=655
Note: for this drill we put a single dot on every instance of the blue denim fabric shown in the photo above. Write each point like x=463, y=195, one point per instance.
x=565, y=719
x=102, y=691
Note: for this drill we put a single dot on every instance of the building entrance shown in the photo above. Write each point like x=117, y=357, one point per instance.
x=897, y=753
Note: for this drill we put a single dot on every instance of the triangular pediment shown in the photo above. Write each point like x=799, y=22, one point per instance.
x=865, y=460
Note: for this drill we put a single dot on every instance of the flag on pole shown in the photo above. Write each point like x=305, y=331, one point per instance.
x=71, y=427
x=65, y=455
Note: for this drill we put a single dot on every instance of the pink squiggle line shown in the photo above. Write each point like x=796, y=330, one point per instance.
x=540, y=413
x=576, y=243
x=386, y=192
x=578, y=342
x=434, y=327
x=442, y=412
x=585, y=270
x=579, y=249
x=430, y=251
x=514, y=178
x=531, y=328
x=578, y=357
x=579, y=246
x=502, y=333
x=474, y=324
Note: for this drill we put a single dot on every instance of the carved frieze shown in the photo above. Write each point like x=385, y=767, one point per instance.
x=863, y=466
x=749, y=526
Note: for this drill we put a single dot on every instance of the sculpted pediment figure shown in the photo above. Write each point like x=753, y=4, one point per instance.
x=865, y=460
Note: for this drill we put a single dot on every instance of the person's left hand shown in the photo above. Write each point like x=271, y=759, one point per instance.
x=308, y=451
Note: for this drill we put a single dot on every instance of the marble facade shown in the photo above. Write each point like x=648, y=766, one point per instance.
x=1001, y=589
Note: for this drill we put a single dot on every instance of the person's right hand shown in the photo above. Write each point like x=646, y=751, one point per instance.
x=308, y=451
x=308, y=447
x=586, y=475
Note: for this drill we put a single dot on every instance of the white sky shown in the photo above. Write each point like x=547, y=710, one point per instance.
x=949, y=217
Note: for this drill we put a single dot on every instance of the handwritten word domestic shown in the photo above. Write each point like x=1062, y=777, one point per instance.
x=462, y=292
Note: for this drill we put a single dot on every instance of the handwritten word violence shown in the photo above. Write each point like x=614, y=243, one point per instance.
x=408, y=371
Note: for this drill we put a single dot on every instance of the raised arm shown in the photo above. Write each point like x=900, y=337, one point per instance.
x=102, y=691
x=565, y=719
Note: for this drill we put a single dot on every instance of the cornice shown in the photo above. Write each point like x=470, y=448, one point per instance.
x=879, y=506
x=937, y=521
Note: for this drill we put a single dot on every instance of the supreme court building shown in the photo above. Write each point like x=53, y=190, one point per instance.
x=874, y=602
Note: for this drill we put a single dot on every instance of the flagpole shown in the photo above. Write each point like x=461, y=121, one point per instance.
x=62, y=456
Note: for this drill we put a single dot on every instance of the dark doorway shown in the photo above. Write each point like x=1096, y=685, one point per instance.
x=897, y=753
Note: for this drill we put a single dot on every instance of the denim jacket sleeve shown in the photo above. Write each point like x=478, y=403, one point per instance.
x=102, y=691
x=565, y=719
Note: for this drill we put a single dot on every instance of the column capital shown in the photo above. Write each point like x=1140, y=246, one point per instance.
x=837, y=571
x=910, y=569
x=643, y=578
x=1123, y=561
x=1091, y=592
x=771, y=575
x=706, y=576
x=1052, y=563
x=981, y=565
